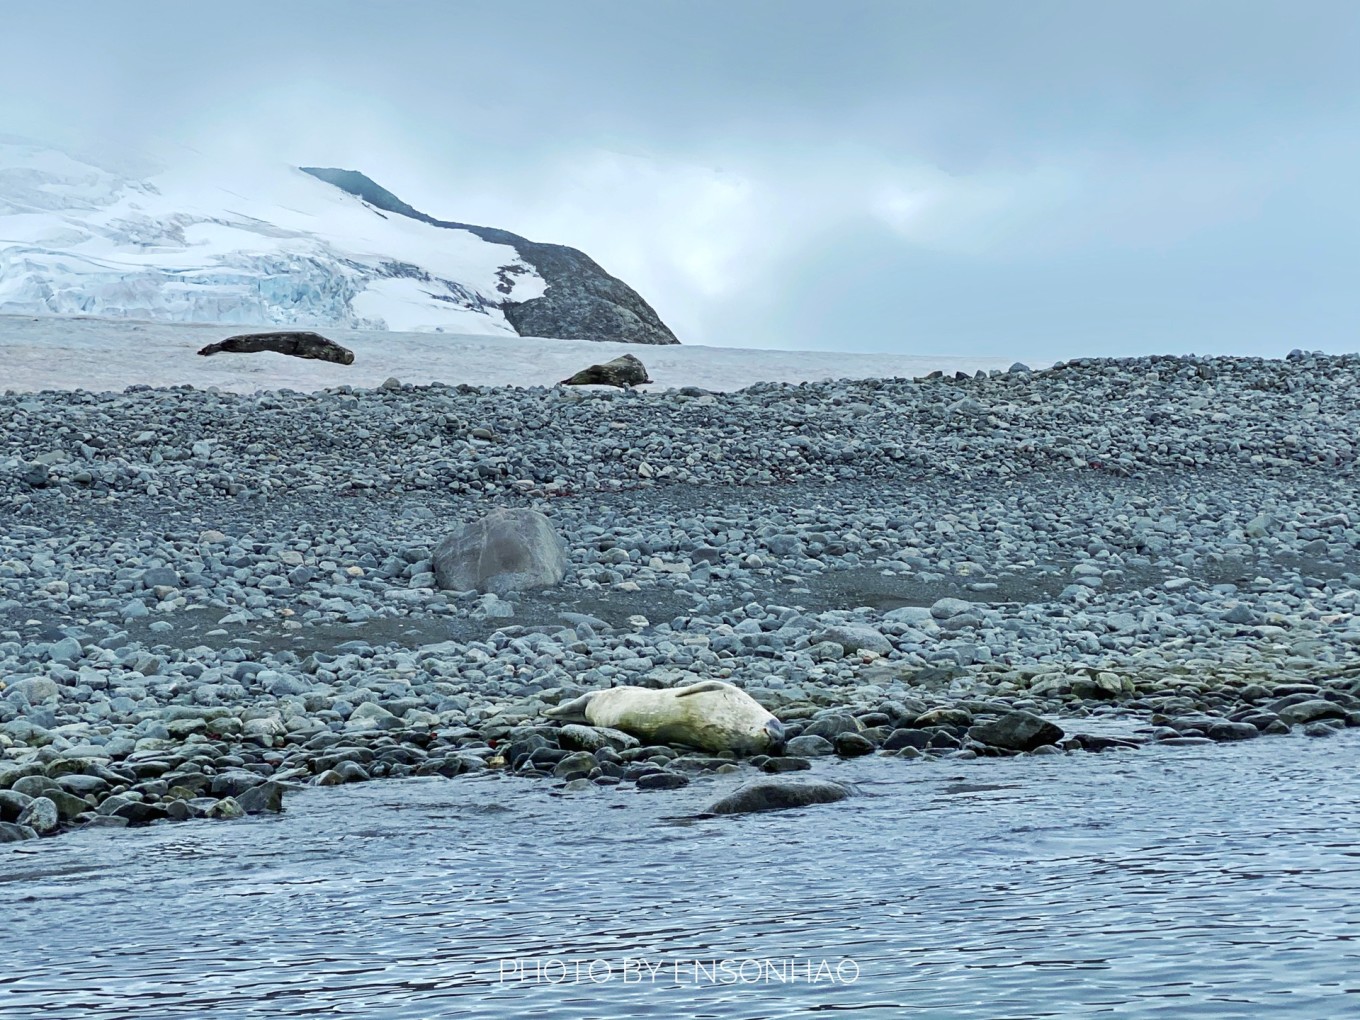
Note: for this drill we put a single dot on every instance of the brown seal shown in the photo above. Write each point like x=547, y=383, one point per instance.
x=624, y=371
x=297, y=344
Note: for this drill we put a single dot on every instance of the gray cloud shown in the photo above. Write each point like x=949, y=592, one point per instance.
x=1039, y=178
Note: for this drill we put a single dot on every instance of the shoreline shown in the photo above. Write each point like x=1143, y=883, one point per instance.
x=884, y=564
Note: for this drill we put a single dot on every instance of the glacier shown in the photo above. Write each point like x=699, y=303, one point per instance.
x=80, y=235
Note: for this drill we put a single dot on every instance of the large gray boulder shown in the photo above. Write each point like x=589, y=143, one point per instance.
x=1017, y=731
x=507, y=550
x=777, y=795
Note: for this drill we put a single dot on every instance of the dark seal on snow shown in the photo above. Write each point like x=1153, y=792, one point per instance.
x=625, y=371
x=297, y=344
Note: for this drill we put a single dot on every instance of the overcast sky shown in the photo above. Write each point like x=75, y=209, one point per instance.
x=1049, y=179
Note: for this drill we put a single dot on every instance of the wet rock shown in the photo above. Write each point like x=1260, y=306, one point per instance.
x=1101, y=685
x=11, y=774
x=35, y=786
x=232, y=782
x=12, y=804
x=944, y=717
x=853, y=745
x=11, y=832
x=830, y=726
x=1319, y=729
x=138, y=812
x=809, y=746
x=1096, y=742
x=901, y=738
x=226, y=808
x=777, y=795
x=1224, y=731
x=576, y=763
x=68, y=805
x=82, y=785
x=267, y=797
x=1016, y=731
x=105, y=822
x=1309, y=711
x=41, y=816
x=662, y=781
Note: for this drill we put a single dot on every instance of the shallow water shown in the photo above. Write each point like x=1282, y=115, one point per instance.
x=1166, y=882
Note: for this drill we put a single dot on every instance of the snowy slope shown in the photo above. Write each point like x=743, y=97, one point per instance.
x=102, y=355
x=204, y=243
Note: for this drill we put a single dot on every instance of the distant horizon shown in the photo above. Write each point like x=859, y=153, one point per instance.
x=786, y=361
x=92, y=353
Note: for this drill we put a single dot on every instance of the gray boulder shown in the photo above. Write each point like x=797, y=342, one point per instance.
x=831, y=725
x=41, y=816
x=853, y=745
x=267, y=797
x=1308, y=711
x=809, y=745
x=1016, y=731
x=947, y=608
x=777, y=795
x=35, y=688
x=853, y=637
x=12, y=804
x=507, y=550
x=12, y=833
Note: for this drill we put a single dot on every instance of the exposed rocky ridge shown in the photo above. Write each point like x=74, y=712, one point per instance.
x=582, y=301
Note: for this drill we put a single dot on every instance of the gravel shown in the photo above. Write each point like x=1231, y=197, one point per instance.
x=206, y=598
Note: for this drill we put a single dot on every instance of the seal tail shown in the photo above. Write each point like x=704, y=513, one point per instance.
x=572, y=711
x=700, y=687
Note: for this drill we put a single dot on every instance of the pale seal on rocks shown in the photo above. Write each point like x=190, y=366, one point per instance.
x=710, y=715
x=297, y=344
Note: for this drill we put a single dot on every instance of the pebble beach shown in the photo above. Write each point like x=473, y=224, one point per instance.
x=210, y=598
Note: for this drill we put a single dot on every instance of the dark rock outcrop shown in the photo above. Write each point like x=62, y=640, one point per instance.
x=581, y=302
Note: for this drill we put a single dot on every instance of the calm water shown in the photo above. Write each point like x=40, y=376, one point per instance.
x=1176, y=882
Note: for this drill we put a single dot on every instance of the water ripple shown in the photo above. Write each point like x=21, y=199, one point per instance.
x=1187, y=882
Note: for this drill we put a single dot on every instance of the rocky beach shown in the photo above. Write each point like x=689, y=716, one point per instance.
x=209, y=598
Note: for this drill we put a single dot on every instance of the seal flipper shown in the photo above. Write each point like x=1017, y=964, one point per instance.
x=572, y=711
x=700, y=687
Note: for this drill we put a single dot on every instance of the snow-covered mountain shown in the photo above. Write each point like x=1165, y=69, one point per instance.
x=282, y=246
